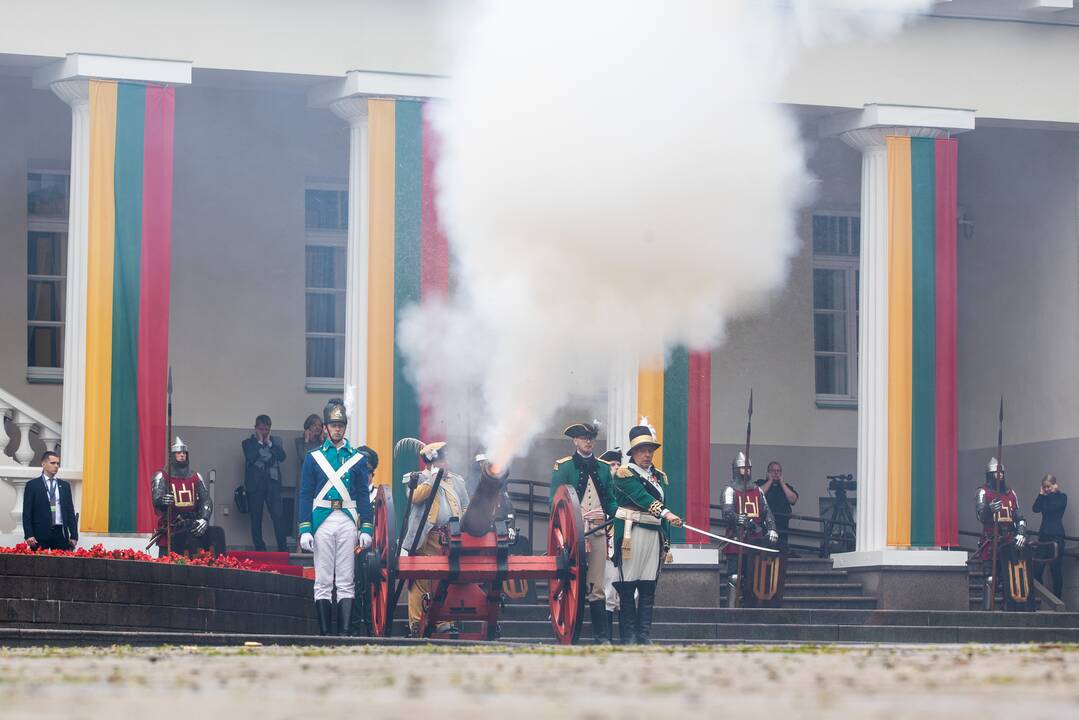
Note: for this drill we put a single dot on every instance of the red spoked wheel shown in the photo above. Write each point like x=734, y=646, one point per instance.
x=565, y=541
x=382, y=563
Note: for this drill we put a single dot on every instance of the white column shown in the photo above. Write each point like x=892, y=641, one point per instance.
x=867, y=131
x=354, y=111
x=76, y=93
x=621, y=401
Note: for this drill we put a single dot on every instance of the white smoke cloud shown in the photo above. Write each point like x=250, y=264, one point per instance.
x=615, y=180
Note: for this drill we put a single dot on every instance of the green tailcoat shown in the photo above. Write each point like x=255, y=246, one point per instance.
x=631, y=491
x=565, y=472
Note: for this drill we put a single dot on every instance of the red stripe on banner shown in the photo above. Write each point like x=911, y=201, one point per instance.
x=434, y=254
x=699, y=445
x=946, y=528
x=153, y=350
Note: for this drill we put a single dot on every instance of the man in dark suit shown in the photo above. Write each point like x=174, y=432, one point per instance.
x=48, y=514
x=263, y=455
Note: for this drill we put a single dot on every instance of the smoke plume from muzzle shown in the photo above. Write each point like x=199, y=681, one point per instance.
x=616, y=179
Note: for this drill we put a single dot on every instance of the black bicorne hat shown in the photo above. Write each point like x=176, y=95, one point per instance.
x=581, y=430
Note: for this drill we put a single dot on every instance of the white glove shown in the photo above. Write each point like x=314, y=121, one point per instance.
x=773, y=537
x=199, y=528
x=365, y=541
x=307, y=542
x=1020, y=540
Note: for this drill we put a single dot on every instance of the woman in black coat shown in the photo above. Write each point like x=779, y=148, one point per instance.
x=1051, y=504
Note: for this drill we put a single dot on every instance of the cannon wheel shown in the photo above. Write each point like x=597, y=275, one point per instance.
x=382, y=568
x=565, y=541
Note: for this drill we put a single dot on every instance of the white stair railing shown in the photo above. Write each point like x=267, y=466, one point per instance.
x=18, y=422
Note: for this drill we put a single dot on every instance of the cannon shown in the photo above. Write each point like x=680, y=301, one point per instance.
x=467, y=577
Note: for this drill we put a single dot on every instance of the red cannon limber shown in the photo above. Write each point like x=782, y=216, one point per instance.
x=467, y=577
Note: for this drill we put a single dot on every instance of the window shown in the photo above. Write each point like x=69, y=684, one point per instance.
x=46, y=274
x=836, y=246
x=326, y=223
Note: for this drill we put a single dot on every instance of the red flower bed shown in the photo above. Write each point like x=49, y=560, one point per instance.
x=202, y=559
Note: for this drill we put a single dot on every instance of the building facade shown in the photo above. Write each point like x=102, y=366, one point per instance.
x=275, y=209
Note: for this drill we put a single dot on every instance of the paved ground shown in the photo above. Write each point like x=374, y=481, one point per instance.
x=122, y=683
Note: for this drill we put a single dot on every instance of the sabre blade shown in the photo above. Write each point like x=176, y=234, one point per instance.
x=687, y=526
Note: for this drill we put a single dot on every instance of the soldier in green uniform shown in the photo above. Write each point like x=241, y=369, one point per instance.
x=641, y=533
x=591, y=480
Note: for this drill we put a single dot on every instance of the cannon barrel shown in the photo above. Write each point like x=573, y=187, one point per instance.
x=480, y=515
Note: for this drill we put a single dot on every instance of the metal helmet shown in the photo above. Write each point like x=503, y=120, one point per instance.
x=334, y=412
x=178, y=445
x=740, y=461
x=991, y=469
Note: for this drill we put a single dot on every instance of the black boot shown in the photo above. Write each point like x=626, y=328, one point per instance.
x=627, y=612
x=646, y=592
x=600, y=636
x=610, y=625
x=324, y=608
x=344, y=617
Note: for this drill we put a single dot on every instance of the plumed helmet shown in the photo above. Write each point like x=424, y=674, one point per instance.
x=334, y=412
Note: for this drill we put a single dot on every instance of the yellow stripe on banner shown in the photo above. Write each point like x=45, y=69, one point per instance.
x=382, y=128
x=900, y=340
x=650, y=404
x=99, y=273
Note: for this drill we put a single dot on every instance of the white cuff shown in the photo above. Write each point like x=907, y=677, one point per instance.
x=665, y=513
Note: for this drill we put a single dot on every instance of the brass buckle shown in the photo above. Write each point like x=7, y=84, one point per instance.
x=335, y=504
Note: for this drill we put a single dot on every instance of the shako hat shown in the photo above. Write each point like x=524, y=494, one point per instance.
x=334, y=412
x=642, y=435
x=582, y=430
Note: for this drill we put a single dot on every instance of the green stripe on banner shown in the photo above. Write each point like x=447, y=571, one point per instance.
x=408, y=222
x=924, y=352
x=124, y=448
x=676, y=434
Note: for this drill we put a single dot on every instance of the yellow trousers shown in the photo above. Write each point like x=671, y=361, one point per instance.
x=418, y=588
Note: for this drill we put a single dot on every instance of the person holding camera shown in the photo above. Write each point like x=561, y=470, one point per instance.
x=781, y=497
x=263, y=455
x=1051, y=503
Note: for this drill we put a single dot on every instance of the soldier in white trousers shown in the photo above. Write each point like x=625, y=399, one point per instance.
x=335, y=517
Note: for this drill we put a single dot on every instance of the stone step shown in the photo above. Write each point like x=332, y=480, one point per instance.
x=755, y=633
x=820, y=576
x=830, y=601
x=835, y=589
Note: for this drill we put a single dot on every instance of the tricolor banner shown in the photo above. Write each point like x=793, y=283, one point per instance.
x=922, y=450
x=409, y=263
x=127, y=302
x=677, y=403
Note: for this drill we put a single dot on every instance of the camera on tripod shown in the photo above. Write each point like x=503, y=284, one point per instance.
x=841, y=483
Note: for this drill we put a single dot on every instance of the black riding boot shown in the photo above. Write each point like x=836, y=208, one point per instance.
x=610, y=625
x=627, y=612
x=344, y=617
x=600, y=636
x=324, y=608
x=646, y=591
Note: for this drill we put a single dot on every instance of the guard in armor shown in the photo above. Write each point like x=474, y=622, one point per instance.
x=449, y=501
x=335, y=516
x=1004, y=538
x=182, y=501
x=641, y=534
x=748, y=518
x=591, y=480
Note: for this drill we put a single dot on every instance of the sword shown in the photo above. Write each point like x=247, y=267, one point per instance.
x=687, y=526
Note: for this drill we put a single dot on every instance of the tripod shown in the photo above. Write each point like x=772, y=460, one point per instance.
x=837, y=532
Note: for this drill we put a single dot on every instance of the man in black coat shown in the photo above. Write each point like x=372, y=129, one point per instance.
x=263, y=455
x=48, y=514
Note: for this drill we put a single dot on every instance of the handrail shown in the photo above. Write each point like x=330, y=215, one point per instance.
x=39, y=418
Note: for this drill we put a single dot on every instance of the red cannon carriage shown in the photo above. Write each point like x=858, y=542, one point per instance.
x=467, y=578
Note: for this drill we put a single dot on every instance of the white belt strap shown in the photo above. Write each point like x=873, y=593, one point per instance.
x=334, y=477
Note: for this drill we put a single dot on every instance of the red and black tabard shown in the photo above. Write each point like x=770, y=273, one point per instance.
x=1006, y=518
x=751, y=504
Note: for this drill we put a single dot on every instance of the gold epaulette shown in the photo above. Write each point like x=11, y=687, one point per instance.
x=559, y=461
x=624, y=472
x=662, y=475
